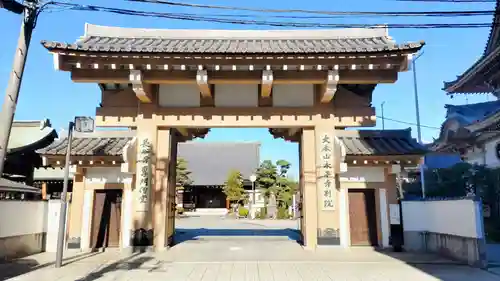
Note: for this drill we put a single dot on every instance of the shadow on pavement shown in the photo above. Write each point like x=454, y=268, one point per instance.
x=13, y=268
x=186, y=234
x=129, y=263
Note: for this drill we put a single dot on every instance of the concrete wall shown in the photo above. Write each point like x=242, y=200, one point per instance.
x=453, y=228
x=22, y=228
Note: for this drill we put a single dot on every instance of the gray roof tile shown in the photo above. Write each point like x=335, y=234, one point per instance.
x=115, y=39
x=86, y=146
x=380, y=142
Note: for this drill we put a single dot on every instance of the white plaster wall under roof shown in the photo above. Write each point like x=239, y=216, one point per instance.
x=287, y=95
x=179, y=95
x=112, y=31
x=236, y=95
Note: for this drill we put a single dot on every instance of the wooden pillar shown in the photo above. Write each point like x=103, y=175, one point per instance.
x=44, y=190
x=76, y=213
x=160, y=192
x=308, y=174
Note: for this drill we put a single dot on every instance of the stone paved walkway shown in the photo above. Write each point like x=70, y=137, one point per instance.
x=242, y=251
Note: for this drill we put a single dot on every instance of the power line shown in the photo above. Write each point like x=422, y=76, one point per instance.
x=197, y=17
x=408, y=123
x=345, y=13
x=449, y=1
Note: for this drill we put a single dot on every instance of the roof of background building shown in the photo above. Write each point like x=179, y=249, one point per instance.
x=119, y=39
x=210, y=162
x=30, y=135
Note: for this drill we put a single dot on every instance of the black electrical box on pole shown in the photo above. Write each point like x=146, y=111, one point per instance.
x=29, y=9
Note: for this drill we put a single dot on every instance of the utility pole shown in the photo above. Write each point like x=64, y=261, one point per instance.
x=383, y=116
x=415, y=92
x=29, y=8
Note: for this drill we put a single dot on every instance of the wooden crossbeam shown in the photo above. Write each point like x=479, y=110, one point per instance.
x=267, y=83
x=234, y=77
x=144, y=92
x=329, y=88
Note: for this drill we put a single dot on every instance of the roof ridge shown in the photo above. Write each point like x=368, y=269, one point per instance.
x=114, y=31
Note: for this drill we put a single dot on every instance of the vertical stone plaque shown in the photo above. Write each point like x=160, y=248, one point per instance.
x=327, y=171
x=144, y=174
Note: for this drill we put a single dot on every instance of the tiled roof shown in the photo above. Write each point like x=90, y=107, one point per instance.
x=210, y=162
x=380, y=143
x=30, y=136
x=116, y=39
x=471, y=81
x=99, y=144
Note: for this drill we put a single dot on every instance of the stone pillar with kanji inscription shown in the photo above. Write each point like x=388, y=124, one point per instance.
x=142, y=232
x=328, y=229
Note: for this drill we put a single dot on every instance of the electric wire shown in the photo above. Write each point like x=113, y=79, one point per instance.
x=197, y=17
x=408, y=123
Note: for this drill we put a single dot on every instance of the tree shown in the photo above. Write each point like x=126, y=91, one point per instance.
x=266, y=177
x=273, y=178
x=233, y=187
x=182, y=174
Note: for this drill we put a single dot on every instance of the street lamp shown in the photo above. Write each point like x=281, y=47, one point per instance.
x=83, y=125
x=253, y=178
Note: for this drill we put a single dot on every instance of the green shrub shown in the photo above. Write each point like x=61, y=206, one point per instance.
x=262, y=213
x=243, y=212
x=283, y=214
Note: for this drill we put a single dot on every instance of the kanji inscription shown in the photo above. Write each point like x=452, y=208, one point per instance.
x=144, y=173
x=327, y=172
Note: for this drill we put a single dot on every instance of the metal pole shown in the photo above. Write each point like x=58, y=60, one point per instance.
x=16, y=77
x=253, y=193
x=415, y=92
x=62, y=213
x=383, y=116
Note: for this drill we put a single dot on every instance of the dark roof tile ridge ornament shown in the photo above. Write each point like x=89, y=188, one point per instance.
x=376, y=31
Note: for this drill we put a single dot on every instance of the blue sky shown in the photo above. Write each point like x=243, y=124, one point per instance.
x=49, y=94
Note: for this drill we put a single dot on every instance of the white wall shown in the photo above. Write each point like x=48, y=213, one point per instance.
x=179, y=95
x=491, y=158
x=363, y=174
x=107, y=175
x=454, y=217
x=22, y=217
x=236, y=95
x=289, y=95
x=53, y=215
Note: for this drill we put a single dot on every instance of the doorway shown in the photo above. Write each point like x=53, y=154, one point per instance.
x=106, y=219
x=362, y=217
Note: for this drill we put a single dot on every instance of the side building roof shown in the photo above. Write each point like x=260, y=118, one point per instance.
x=106, y=39
x=473, y=80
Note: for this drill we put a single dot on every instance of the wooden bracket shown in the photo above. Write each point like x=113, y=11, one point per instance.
x=330, y=87
x=144, y=92
x=267, y=83
x=202, y=81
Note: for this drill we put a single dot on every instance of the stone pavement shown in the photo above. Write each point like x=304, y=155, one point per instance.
x=240, y=250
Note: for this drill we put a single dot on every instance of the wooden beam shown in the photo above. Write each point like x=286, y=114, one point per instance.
x=310, y=59
x=202, y=81
x=183, y=131
x=267, y=83
x=330, y=86
x=144, y=92
x=234, y=77
x=252, y=117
